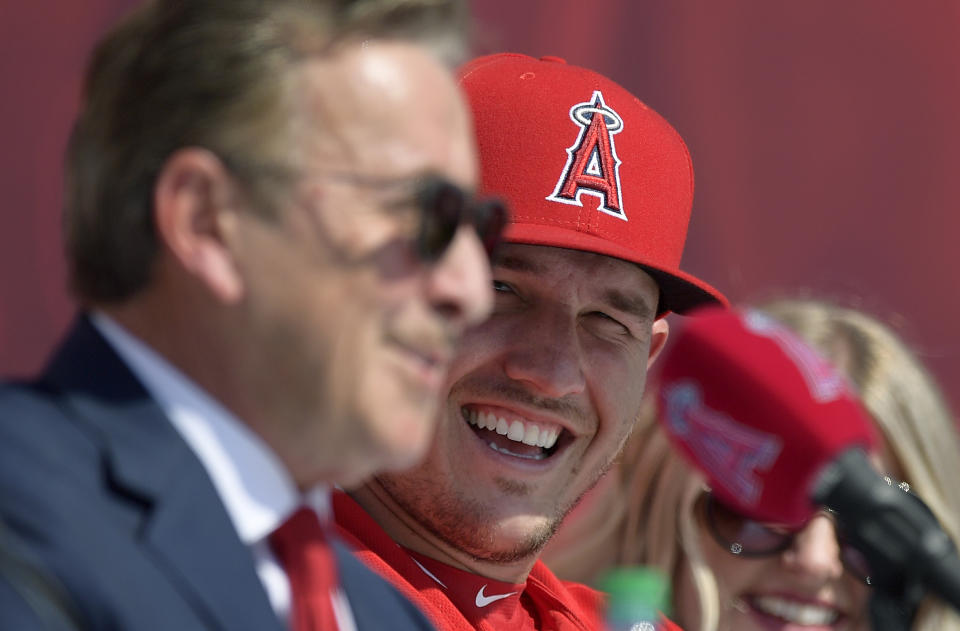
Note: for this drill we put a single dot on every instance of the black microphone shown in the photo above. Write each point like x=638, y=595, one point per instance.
x=900, y=538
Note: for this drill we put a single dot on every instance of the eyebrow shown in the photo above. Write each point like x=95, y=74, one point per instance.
x=632, y=304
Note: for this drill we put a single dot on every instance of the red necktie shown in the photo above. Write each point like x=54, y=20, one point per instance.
x=305, y=554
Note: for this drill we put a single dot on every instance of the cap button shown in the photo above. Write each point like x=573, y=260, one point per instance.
x=559, y=60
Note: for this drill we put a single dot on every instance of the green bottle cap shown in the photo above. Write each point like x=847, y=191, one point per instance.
x=635, y=593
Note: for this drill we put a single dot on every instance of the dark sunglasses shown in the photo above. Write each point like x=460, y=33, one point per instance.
x=444, y=206
x=746, y=537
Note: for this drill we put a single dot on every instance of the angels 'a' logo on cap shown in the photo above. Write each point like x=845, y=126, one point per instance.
x=734, y=455
x=592, y=163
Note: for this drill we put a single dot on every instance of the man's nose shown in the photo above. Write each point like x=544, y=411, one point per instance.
x=815, y=550
x=545, y=354
x=459, y=285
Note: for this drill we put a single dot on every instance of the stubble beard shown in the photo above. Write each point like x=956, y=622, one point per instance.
x=469, y=525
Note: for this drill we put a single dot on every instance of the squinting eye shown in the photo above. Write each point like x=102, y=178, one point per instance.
x=608, y=322
x=603, y=316
x=500, y=286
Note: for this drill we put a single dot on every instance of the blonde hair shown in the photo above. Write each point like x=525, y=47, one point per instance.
x=657, y=525
x=660, y=529
x=905, y=403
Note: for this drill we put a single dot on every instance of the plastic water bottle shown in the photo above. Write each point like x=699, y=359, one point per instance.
x=636, y=598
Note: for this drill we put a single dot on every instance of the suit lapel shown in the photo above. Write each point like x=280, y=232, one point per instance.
x=186, y=528
x=204, y=554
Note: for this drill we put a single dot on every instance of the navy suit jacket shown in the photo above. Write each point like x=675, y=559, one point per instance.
x=118, y=512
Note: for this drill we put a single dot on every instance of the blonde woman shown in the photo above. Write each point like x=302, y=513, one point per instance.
x=806, y=578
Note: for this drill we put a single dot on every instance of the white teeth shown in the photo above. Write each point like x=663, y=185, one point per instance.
x=518, y=431
x=551, y=439
x=542, y=438
x=483, y=420
x=797, y=613
x=531, y=436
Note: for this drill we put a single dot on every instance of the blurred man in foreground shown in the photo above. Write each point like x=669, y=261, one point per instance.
x=271, y=238
x=541, y=396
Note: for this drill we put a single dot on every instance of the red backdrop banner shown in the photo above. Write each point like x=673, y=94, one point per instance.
x=824, y=137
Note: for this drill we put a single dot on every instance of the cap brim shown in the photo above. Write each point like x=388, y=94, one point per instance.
x=679, y=292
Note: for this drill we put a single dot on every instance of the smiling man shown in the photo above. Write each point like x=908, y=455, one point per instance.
x=542, y=396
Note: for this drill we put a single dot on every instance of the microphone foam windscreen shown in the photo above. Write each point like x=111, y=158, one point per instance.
x=758, y=411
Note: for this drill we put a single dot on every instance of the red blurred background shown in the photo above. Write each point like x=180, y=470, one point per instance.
x=824, y=137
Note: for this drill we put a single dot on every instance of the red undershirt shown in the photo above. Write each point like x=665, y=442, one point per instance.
x=457, y=600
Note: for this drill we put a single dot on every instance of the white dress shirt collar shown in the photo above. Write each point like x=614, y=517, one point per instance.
x=255, y=487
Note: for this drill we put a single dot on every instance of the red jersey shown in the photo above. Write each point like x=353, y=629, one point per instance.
x=457, y=600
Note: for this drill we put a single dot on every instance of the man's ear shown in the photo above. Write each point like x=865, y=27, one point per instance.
x=658, y=339
x=195, y=201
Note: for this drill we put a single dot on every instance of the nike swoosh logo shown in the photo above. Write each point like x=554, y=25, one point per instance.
x=484, y=600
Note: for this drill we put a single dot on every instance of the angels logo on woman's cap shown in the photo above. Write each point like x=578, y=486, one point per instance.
x=585, y=165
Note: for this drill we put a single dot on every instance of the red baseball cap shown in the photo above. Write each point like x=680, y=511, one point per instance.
x=758, y=411
x=584, y=164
